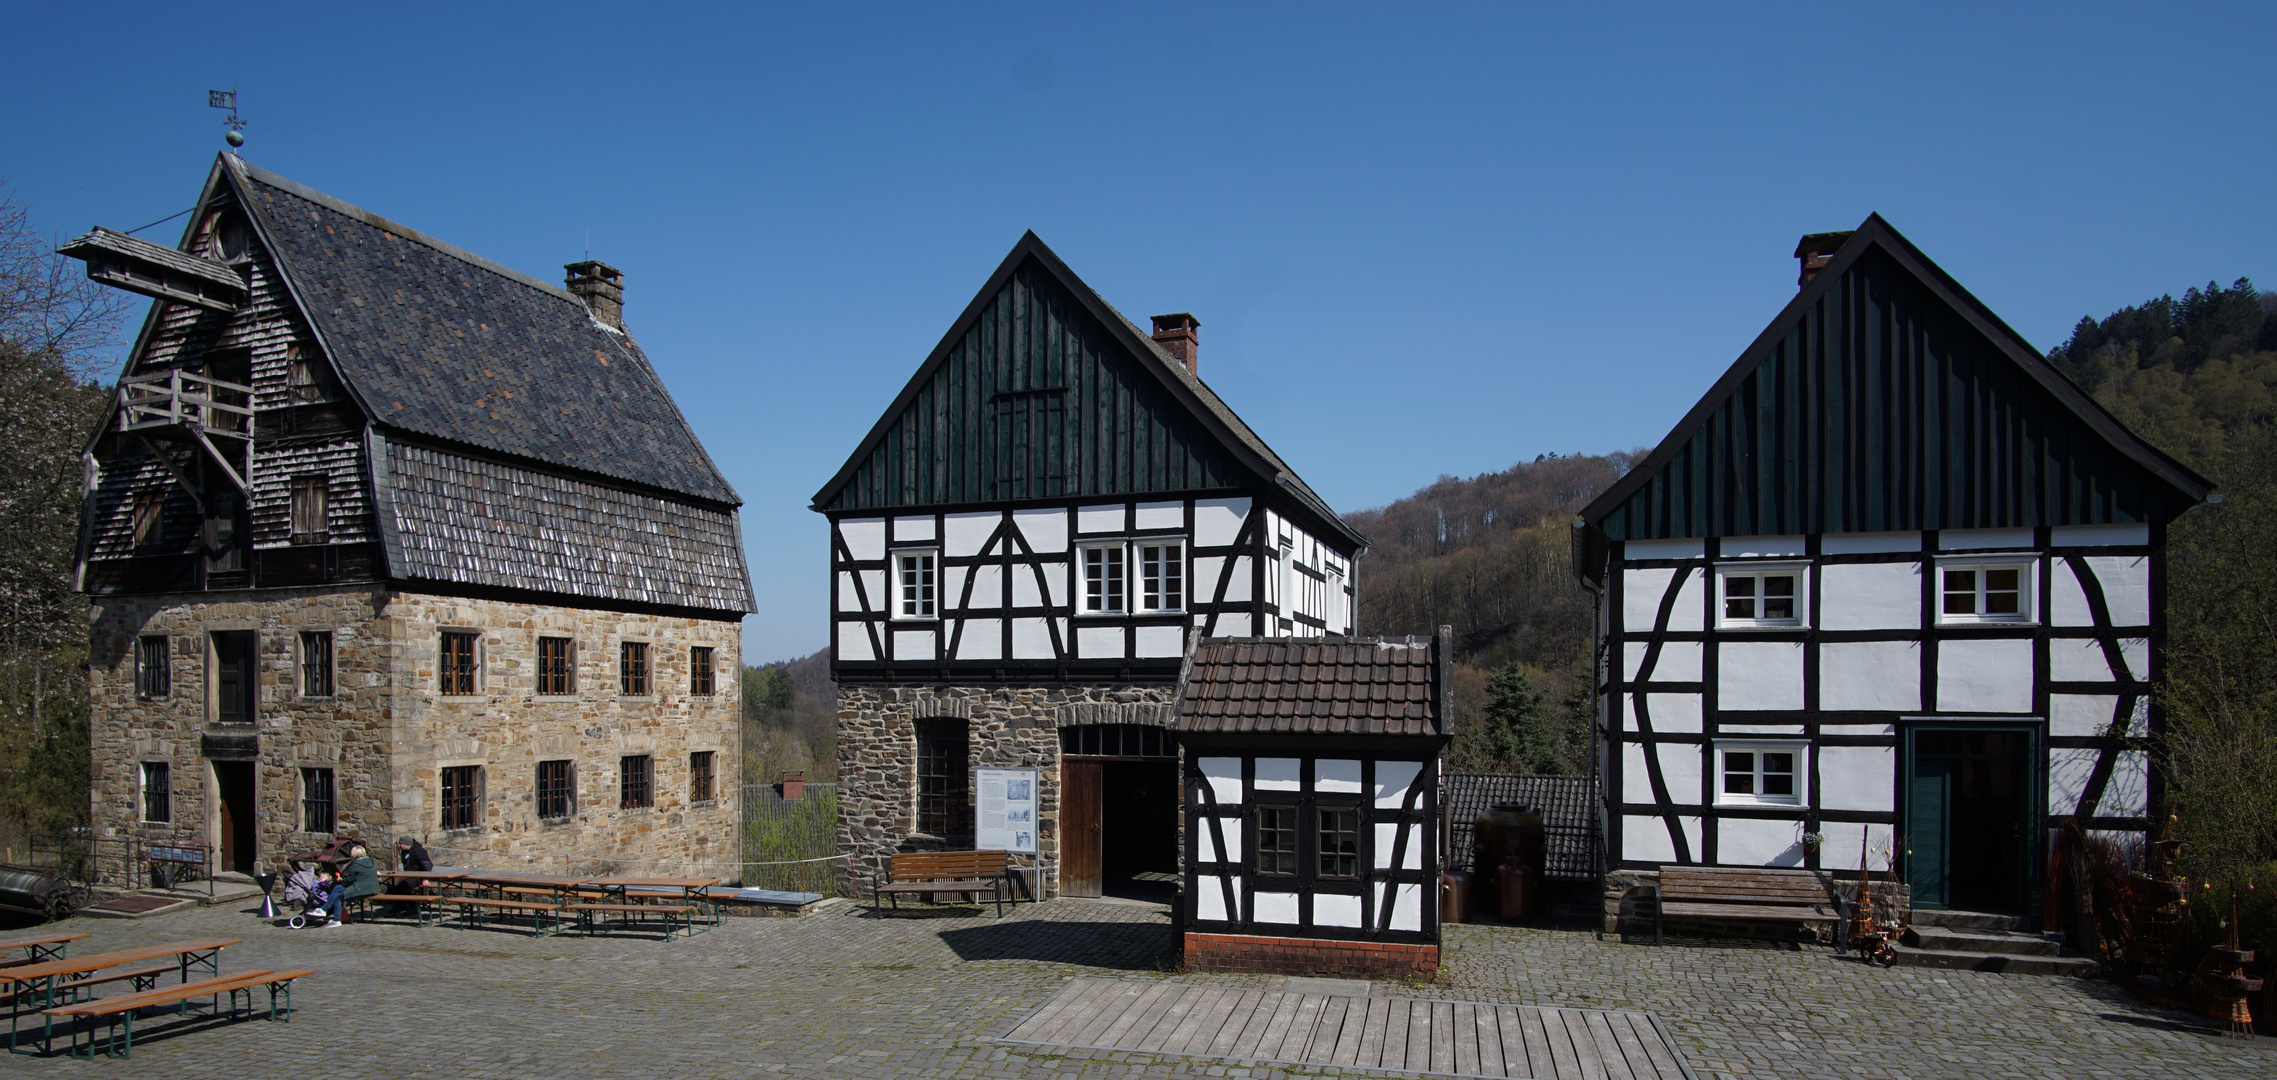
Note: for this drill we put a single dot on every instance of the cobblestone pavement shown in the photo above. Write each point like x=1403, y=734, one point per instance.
x=844, y=994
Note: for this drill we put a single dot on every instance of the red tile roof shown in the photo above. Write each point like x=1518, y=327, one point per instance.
x=1319, y=686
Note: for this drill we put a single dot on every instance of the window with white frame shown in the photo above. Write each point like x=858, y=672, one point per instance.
x=1105, y=580
x=1985, y=591
x=1761, y=595
x=916, y=585
x=1162, y=575
x=1760, y=773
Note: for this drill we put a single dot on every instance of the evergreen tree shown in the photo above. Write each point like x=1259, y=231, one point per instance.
x=1519, y=730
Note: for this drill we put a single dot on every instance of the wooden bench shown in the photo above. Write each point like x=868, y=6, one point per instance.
x=919, y=872
x=419, y=902
x=143, y=979
x=540, y=925
x=121, y=1010
x=1744, y=894
x=677, y=918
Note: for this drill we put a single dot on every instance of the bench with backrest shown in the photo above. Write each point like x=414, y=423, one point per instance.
x=1743, y=894
x=121, y=1010
x=926, y=872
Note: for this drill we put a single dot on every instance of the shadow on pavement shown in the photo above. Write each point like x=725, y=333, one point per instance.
x=1119, y=945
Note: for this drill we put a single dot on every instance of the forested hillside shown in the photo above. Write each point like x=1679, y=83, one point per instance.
x=790, y=716
x=2198, y=378
x=1491, y=556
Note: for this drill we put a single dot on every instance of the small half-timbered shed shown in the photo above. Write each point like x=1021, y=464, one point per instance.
x=1312, y=803
x=385, y=538
x=1896, y=584
x=1019, y=551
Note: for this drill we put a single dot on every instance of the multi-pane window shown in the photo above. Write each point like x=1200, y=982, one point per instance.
x=553, y=667
x=1162, y=576
x=557, y=789
x=454, y=669
x=1118, y=740
x=1762, y=597
x=157, y=791
x=1104, y=584
x=153, y=672
x=632, y=668
x=702, y=786
x=462, y=796
x=944, y=802
x=1985, y=593
x=308, y=510
x=1758, y=774
x=149, y=519
x=636, y=782
x=1339, y=836
x=703, y=673
x=916, y=586
x=316, y=664
x=1276, y=839
x=316, y=803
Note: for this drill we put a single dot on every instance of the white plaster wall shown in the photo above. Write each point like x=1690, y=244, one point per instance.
x=2090, y=714
x=1218, y=521
x=1097, y=641
x=1868, y=543
x=2083, y=659
x=1207, y=569
x=1043, y=530
x=1031, y=639
x=1869, y=675
x=1680, y=548
x=1859, y=729
x=1679, y=767
x=1272, y=907
x=2100, y=536
x=1991, y=676
x=913, y=529
x=983, y=639
x=1337, y=775
x=1161, y=641
x=1756, y=842
x=1099, y=519
x=2125, y=795
x=913, y=645
x=952, y=587
x=1280, y=774
x=1233, y=625
x=1392, y=781
x=854, y=642
x=1857, y=778
x=1671, y=713
x=864, y=537
x=1162, y=515
x=987, y=587
x=1761, y=729
x=1335, y=909
x=848, y=598
x=1407, y=906
x=1845, y=841
x=2067, y=605
x=1984, y=540
x=1387, y=834
x=2126, y=587
x=1869, y=596
x=1224, y=777
x=1679, y=661
x=1209, y=898
x=1645, y=839
x=1206, y=845
x=963, y=534
x=1759, y=675
x=1641, y=591
x=1762, y=547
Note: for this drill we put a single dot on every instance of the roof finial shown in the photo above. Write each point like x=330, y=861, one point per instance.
x=227, y=99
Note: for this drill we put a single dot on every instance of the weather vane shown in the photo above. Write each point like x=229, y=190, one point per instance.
x=227, y=99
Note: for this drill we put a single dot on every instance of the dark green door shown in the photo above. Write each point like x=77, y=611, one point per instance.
x=1970, y=799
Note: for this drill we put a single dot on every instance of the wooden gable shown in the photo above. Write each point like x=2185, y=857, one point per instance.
x=1885, y=397
x=1041, y=391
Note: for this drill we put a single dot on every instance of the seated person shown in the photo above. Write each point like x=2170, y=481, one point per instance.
x=358, y=879
x=410, y=854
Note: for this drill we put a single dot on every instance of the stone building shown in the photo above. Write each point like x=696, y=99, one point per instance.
x=1020, y=549
x=386, y=538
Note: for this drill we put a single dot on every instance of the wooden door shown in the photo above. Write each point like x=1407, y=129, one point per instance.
x=1928, y=820
x=1079, y=827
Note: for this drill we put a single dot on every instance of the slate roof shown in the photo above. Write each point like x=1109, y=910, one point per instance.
x=434, y=341
x=1316, y=686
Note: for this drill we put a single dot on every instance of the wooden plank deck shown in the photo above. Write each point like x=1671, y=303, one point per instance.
x=1419, y=1035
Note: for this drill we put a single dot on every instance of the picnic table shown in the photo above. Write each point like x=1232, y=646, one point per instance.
x=654, y=895
x=44, y=981
x=38, y=947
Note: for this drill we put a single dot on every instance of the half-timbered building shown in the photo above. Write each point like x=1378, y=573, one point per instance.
x=1019, y=551
x=386, y=538
x=1312, y=807
x=1893, y=589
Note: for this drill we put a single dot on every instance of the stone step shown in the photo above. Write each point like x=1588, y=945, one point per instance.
x=2008, y=942
x=2006, y=963
x=1967, y=920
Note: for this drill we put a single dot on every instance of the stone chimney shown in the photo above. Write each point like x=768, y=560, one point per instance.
x=602, y=288
x=1180, y=336
x=1816, y=250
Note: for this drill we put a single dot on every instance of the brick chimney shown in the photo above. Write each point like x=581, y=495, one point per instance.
x=1816, y=250
x=602, y=288
x=1180, y=336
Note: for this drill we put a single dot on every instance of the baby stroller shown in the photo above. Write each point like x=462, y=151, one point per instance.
x=306, y=891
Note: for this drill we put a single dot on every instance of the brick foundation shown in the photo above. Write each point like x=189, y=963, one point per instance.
x=1309, y=956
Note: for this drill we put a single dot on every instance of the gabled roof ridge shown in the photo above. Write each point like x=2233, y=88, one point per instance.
x=299, y=190
x=1876, y=232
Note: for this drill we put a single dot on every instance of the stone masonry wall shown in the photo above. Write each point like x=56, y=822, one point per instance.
x=1010, y=728
x=387, y=731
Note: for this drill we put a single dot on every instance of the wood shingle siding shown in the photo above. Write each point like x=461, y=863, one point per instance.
x=472, y=522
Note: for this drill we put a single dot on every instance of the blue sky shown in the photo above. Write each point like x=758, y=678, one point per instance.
x=1421, y=239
